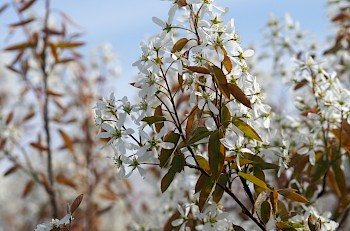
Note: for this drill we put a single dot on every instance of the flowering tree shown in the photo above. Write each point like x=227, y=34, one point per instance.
x=202, y=118
x=200, y=132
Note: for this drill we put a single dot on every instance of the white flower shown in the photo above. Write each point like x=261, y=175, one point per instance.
x=55, y=223
x=207, y=101
x=184, y=217
x=117, y=133
x=152, y=144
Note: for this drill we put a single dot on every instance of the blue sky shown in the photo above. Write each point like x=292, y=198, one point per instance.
x=125, y=23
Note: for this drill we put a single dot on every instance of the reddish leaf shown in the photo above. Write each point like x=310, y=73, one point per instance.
x=333, y=182
x=54, y=52
x=53, y=93
x=26, y=5
x=292, y=195
x=341, y=17
x=181, y=3
x=274, y=200
x=168, y=226
x=45, y=182
x=38, y=146
x=219, y=75
x=76, y=203
x=181, y=43
x=340, y=176
x=51, y=31
x=221, y=81
x=343, y=135
x=201, y=182
x=301, y=84
x=67, y=141
x=21, y=23
x=191, y=120
x=12, y=169
x=198, y=69
x=19, y=46
x=109, y=196
x=28, y=116
x=65, y=45
x=27, y=188
x=239, y=95
x=3, y=7
x=227, y=61
x=9, y=118
x=65, y=181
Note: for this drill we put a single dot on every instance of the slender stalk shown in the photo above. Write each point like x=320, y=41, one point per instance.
x=46, y=114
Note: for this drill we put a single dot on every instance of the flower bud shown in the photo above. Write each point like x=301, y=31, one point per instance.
x=182, y=3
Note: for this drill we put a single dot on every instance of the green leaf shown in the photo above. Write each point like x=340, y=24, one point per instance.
x=165, y=154
x=203, y=163
x=292, y=195
x=181, y=43
x=159, y=112
x=216, y=152
x=254, y=180
x=265, y=166
x=199, y=134
x=179, y=162
x=264, y=211
x=260, y=175
x=225, y=116
x=153, y=119
x=167, y=179
x=239, y=95
x=321, y=169
x=237, y=228
x=282, y=211
x=284, y=226
x=247, y=158
x=218, y=191
x=205, y=193
x=246, y=129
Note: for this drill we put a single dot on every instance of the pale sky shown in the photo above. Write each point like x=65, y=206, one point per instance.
x=125, y=23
